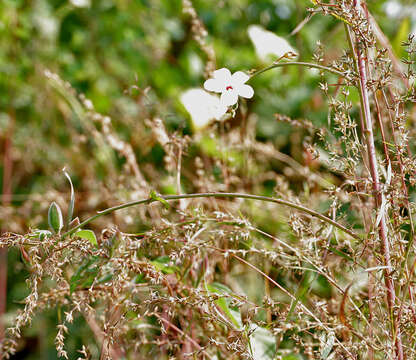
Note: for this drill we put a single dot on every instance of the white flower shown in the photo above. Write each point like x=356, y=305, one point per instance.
x=230, y=86
x=81, y=3
x=202, y=106
x=268, y=43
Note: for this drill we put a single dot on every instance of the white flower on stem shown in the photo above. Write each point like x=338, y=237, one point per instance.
x=230, y=86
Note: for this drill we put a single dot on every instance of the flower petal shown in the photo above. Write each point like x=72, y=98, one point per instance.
x=222, y=74
x=219, y=111
x=239, y=78
x=268, y=43
x=246, y=91
x=202, y=107
x=214, y=85
x=229, y=97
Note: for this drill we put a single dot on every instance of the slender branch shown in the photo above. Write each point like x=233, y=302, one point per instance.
x=217, y=195
x=297, y=63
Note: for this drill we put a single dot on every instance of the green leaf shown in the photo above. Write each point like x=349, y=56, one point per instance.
x=292, y=357
x=303, y=289
x=262, y=344
x=224, y=303
x=157, y=197
x=85, y=275
x=341, y=253
x=140, y=279
x=329, y=344
x=111, y=244
x=162, y=264
x=87, y=235
x=55, y=220
x=72, y=200
x=40, y=234
x=401, y=36
x=44, y=234
x=105, y=278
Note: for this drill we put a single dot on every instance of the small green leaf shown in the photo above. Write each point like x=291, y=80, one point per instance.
x=43, y=234
x=87, y=235
x=329, y=344
x=224, y=303
x=40, y=234
x=105, y=278
x=111, y=244
x=72, y=200
x=303, y=289
x=157, y=197
x=140, y=279
x=162, y=264
x=55, y=220
x=401, y=36
x=292, y=357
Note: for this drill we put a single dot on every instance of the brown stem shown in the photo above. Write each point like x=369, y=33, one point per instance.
x=7, y=193
x=380, y=124
x=370, y=312
x=369, y=137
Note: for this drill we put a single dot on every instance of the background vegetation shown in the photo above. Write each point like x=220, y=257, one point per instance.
x=95, y=87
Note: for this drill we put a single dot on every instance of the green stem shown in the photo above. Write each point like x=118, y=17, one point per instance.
x=297, y=63
x=216, y=195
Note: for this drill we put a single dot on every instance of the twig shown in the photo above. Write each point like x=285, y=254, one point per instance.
x=297, y=63
x=173, y=326
x=217, y=195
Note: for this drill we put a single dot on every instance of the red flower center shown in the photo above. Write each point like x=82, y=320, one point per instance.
x=229, y=88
